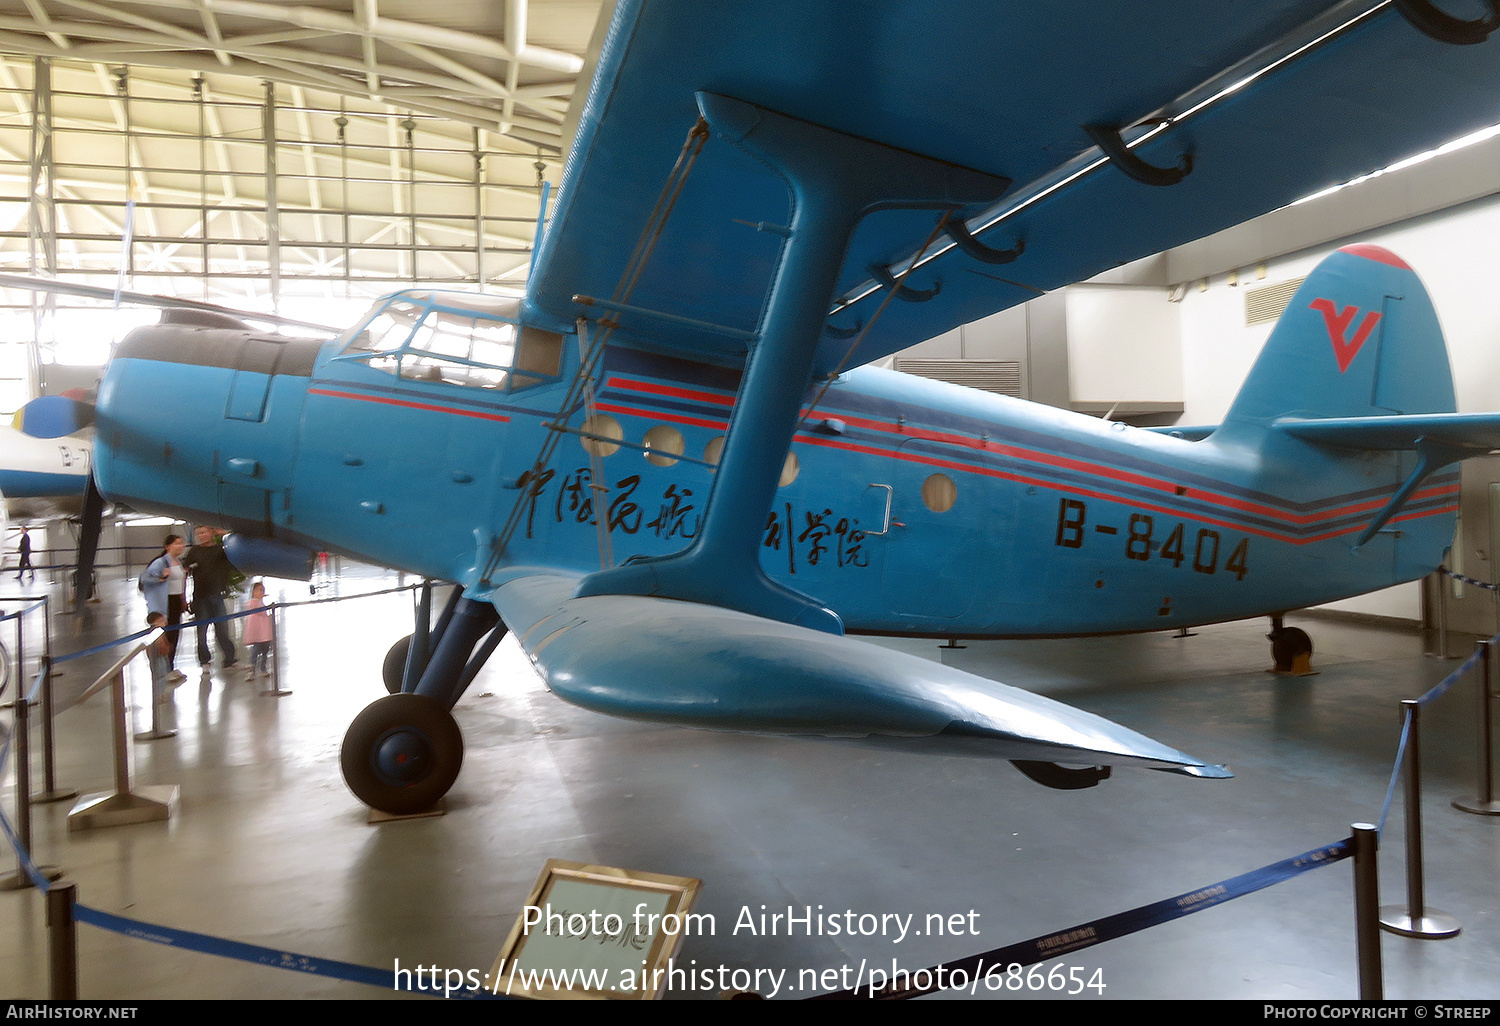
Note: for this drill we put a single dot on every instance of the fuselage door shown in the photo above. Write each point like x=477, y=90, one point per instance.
x=942, y=521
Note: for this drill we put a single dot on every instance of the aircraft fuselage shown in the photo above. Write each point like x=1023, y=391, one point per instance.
x=914, y=507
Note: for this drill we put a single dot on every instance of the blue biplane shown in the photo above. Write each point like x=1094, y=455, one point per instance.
x=667, y=470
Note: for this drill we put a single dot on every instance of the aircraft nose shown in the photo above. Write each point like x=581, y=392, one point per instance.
x=201, y=421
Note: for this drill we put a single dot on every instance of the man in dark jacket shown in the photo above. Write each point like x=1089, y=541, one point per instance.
x=211, y=570
x=25, y=550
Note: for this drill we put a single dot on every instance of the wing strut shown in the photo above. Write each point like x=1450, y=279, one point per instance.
x=835, y=180
x=1431, y=456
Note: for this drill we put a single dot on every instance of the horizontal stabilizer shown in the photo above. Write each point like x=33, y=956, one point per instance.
x=53, y=416
x=1479, y=432
x=702, y=666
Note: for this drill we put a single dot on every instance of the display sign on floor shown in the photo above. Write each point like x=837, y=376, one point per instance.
x=595, y=932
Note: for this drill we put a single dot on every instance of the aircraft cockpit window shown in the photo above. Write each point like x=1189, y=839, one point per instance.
x=460, y=350
x=472, y=347
x=389, y=330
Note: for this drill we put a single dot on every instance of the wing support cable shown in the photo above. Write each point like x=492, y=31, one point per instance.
x=596, y=459
x=738, y=334
x=860, y=329
x=582, y=382
x=1112, y=145
x=1444, y=27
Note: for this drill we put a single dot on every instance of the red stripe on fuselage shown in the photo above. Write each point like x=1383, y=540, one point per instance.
x=1096, y=470
x=409, y=404
x=1424, y=494
x=674, y=391
x=676, y=418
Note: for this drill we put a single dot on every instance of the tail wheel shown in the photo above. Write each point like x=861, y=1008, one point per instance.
x=394, y=668
x=402, y=753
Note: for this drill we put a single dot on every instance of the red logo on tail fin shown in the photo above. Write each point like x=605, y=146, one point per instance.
x=1337, y=322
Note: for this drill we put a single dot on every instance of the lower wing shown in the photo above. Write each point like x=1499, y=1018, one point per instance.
x=702, y=666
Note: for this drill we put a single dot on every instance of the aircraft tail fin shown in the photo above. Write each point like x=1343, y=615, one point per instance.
x=1360, y=338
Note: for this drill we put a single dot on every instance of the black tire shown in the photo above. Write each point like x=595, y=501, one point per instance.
x=394, y=667
x=402, y=753
x=1286, y=645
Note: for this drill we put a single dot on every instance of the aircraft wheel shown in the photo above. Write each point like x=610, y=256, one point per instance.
x=1291, y=650
x=402, y=753
x=394, y=667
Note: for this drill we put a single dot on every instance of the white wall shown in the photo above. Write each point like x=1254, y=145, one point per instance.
x=1124, y=344
x=1457, y=254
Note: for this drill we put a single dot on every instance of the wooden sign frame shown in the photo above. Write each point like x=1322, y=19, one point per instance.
x=588, y=924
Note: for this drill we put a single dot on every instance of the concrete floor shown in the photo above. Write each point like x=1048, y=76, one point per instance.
x=270, y=848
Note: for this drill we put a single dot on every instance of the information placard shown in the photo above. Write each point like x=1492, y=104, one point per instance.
x=595, y=932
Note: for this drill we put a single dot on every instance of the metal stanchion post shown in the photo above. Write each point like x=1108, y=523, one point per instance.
x=1416, y=919
x=20, y=879
x=276, y=689
x=50, y=791
x=62, y=942
x=1484, y=803
x=1442, y=616
x=22, y=724
x=275, y=649
x=1367, y=912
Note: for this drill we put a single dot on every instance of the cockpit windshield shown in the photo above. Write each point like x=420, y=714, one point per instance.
x=456, y=339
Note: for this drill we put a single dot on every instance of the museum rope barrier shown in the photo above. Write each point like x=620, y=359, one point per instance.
x=999, y=963
x=1414, y=920
x=21, y=709
x=1441, y=613
x=1002, y=965
x=1468, y=580
x=72, y=555
x=64, y=909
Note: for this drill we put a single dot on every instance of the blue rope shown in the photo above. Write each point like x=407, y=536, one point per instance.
x=220, y=619
x=1439, y=689
x=1468, y=580
x=1390, y=791
x=1086, y=935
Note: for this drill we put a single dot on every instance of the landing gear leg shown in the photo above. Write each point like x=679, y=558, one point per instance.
x=1291, y=649
x=403, y=752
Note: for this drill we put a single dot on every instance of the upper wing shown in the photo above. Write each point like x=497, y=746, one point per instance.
x=1334, y=90
x=703, y=666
